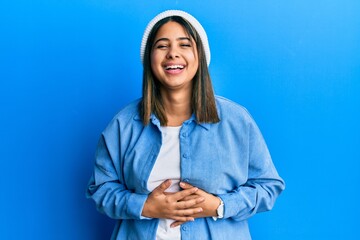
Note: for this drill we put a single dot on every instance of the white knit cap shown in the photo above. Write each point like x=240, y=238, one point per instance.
x=200, y=30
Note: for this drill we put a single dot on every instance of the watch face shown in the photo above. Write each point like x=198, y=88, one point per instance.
x=220, y=210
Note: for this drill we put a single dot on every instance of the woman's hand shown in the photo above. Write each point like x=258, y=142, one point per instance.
x=209, y=205
x=180, y=206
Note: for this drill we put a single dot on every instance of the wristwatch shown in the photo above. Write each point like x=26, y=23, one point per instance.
x=220, y=209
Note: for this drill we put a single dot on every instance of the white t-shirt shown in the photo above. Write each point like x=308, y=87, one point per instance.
x=167, y=166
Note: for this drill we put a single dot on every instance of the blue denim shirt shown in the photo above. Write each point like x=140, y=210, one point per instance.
x=229, y=159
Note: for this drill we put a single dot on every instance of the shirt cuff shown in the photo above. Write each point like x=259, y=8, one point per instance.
x=232, y=204
x=135, y=205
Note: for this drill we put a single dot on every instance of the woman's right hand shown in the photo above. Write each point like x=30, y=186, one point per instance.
x=167, y=205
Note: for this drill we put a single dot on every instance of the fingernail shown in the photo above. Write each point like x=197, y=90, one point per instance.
x=200, y=210
x=182, y=184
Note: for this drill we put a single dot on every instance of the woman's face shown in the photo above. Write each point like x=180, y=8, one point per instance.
x=174, y=58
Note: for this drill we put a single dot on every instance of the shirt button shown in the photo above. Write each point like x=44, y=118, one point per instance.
x=184, y=134
x=186, y=180
x=184, y=228
x=185, y=155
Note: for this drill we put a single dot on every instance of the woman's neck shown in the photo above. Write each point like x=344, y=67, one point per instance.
x=177, y=107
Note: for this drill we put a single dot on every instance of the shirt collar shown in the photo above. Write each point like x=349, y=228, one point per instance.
x=156, y=121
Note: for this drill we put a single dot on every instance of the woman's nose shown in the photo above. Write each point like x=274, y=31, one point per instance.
x=172, y=53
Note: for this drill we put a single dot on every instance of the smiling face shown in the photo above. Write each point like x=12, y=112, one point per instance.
x=174, y=58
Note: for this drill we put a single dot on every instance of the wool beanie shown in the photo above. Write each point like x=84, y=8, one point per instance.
x=195, y=23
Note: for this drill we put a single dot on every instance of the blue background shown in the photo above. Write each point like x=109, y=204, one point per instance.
x=66, y=67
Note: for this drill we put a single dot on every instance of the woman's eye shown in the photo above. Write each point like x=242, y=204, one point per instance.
x=161, y=46
x=185, y=45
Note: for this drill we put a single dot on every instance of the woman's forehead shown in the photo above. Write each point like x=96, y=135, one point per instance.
x=172, y=30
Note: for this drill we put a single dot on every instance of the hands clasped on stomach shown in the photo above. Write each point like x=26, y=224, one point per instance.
x=183, y=206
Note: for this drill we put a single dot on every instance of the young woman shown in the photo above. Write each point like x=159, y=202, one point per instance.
x=181, y=163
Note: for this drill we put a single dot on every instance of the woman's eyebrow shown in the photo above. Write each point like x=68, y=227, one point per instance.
x=183, y=38
x=166, y=39
x=161, y=39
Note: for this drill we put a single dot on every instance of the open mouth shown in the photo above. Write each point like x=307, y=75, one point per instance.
x=174, y=67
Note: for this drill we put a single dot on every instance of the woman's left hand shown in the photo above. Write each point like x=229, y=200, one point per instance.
x=209, y=205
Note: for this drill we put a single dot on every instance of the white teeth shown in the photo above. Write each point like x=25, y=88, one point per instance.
x=174, y=67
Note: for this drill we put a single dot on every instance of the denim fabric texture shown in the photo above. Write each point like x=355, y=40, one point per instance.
x=229, y=159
